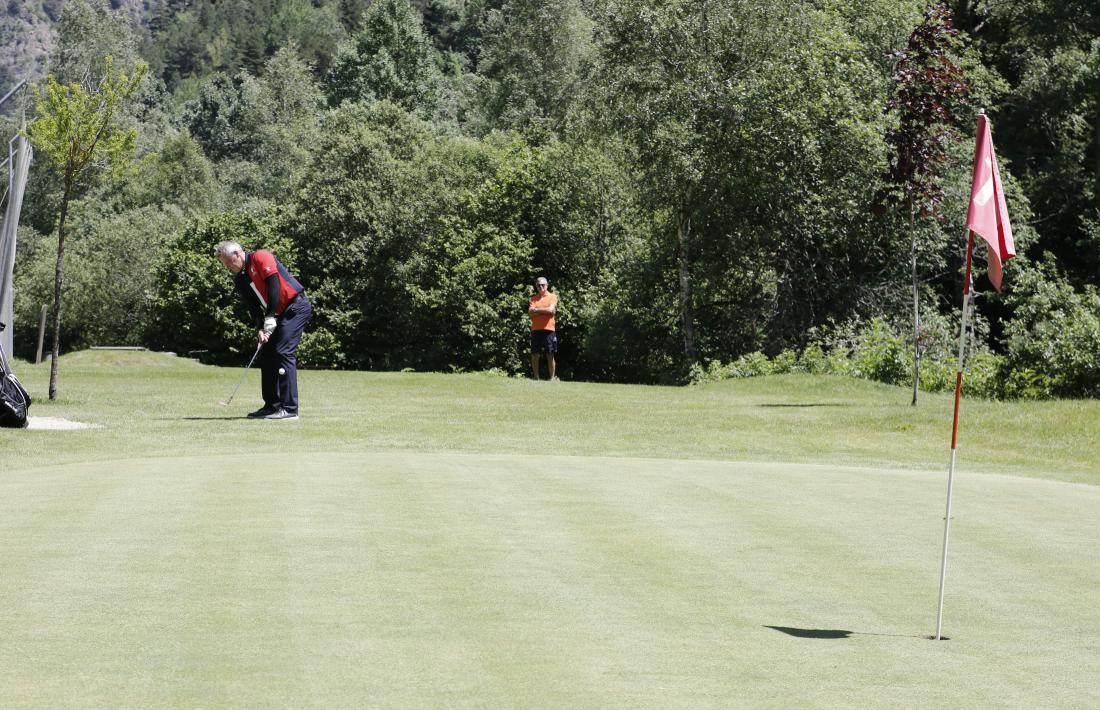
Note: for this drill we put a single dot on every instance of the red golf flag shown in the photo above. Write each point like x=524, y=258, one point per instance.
x=988, y=213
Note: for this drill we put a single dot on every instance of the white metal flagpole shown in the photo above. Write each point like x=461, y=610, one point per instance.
x=967, y=289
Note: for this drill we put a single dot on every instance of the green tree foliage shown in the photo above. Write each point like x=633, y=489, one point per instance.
x=189, y=39
x=89, y=30
x=389, y=58
x=532, y=65
x=290, y=104
x=755, y=131
x=552, y=210
x=77, y=128
x=696, y=178
x=630, y=332
x=108, y=278
x=357, y=217
x=1049, y=122
x=179, y=175
x=465, y=276
x=471, y=295
x=117, y=233
x=1054, y=338
x=222, y=118
x=418, y=249
x=260, y=129
x=351, y=13
x=668, y=76
x=443, y=21
x=176, y=48
x=315, y=29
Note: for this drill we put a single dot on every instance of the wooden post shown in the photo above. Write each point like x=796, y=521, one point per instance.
x=41, y=334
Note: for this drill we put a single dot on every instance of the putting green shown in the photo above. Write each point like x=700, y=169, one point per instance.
x=412, y=580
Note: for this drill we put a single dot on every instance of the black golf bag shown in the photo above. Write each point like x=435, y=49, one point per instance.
x=14, y=400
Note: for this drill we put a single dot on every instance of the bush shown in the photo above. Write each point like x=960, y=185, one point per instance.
x=814, y=360
x=879, y=354
x=1024, y=383
x=320, y=349
x=882, y=356
x=1054, y=337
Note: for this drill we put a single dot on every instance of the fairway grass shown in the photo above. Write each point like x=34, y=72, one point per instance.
x=422, y=540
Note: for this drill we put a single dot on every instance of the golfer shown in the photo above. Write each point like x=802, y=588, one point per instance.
x=280, y=310
x=544, y=338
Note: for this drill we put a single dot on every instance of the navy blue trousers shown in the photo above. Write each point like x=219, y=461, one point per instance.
x=282, y=390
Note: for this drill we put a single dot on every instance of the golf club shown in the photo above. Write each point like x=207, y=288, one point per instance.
x=226, y=402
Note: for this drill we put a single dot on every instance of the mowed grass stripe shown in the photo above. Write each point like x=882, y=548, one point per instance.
x=83, y=550
x=503, y=581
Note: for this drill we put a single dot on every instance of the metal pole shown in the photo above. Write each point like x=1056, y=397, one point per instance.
x=9, y=94
x=17, y=172
x=41, y=334
x=955, y=428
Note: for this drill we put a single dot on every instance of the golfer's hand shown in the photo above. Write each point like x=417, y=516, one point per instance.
x=262, y=337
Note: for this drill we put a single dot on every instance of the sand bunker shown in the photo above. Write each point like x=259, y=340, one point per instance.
x=56, y=423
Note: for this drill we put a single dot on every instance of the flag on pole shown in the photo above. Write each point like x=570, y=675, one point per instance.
x=988, y=218
x=988, y=213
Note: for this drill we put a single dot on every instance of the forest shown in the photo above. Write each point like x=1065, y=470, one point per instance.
x=714, y=188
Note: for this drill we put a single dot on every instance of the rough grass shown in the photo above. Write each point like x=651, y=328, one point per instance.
x=421, y=540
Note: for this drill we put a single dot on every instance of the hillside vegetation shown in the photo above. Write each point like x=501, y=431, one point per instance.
x=704, y=184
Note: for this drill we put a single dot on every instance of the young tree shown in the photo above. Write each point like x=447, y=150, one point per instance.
x=88, y=31
x=929, y=89
x=390, y=58
x=669, y=68
x=752, y=128
x=77, y=127
x=531, y=65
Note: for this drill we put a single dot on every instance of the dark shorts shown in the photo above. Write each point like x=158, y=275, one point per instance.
x=543, y=341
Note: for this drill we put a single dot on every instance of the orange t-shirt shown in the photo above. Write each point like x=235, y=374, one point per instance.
x=542, y=321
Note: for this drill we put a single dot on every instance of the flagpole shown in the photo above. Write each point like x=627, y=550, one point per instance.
x=955, y=426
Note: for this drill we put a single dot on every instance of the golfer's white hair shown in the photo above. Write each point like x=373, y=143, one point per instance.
x=226, y=248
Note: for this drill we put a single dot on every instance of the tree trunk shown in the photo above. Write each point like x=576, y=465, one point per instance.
x=57, y=274
x=916, y=310
x=1096, y=189
x=964, y=15
x=687, y=314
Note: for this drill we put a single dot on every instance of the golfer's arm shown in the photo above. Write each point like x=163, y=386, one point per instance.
x=272, y=295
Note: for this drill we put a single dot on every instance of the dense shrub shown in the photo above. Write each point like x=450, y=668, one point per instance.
x=875, y=353
x=1054, y=337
